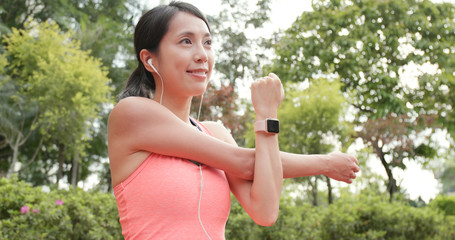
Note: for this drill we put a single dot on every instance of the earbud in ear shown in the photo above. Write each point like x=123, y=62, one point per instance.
x=149, y=61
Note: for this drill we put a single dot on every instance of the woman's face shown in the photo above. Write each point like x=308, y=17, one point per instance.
x=185, y=58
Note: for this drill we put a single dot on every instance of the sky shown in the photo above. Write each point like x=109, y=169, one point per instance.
x=416, y=181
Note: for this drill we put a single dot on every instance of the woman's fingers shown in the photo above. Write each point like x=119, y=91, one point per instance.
x=267, y=94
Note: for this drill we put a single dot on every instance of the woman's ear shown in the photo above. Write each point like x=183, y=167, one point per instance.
x=147, y=60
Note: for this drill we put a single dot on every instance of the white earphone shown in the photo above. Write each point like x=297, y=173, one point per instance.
x=149, y=61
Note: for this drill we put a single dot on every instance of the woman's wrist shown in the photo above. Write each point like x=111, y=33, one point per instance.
x=263, y=116
x=326, y=163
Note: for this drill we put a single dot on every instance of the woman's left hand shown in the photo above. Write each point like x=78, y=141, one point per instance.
x=267, y=94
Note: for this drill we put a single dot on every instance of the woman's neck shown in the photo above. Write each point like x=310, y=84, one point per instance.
x=179, y=106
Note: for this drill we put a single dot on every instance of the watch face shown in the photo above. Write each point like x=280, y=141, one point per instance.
x=273, y=126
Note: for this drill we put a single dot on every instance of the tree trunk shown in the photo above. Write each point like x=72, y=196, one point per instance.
x=75, y=170
x=15, y=157
x=392, y=185
x=61, y=158
x=315, y=191
x=329, y=190
x=109, y=182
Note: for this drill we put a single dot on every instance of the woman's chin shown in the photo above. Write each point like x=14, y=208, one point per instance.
x=199, y=90
x=198, y=93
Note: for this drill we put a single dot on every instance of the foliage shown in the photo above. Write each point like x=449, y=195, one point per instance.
x=395, y=138
x=364, y=43
x=67, y=85
x=236, y=60
x=29, y=213
x=446, y=174
x=311, y=116
x=445, y=203
x=295, y=221
x=371, y=46
x=364, y=216
x=105, y=29
x=3, y=63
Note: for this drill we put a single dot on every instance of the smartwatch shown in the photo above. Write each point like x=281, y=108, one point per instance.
x=268, y=125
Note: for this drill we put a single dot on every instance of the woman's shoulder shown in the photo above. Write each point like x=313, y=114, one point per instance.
x=134, y=104
x=137, y=108
x=219, y=131
x=133, y=114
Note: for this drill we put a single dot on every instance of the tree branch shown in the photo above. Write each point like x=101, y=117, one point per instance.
x=33, y=157
x=362, y=108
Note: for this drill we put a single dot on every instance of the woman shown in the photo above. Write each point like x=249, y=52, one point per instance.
x=172, y=175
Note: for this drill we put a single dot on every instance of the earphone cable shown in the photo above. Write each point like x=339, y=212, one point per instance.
x=162, y=88
x=200, y=106
x=149, y=61
x=199, y=205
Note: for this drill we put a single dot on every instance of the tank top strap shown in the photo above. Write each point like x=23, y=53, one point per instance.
x=200, y=126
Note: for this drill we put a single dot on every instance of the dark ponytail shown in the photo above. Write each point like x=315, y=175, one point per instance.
x=140, y=83
x=148, y=33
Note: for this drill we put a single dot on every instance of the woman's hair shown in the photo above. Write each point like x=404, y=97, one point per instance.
x=149, y=31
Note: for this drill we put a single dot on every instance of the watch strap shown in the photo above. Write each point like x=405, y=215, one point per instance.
x=259, y=126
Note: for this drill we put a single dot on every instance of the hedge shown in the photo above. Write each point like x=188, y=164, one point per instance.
x=27, y=212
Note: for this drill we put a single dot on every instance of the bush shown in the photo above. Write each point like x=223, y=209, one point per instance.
x=28, y=213
x=446, y=204
x=364, y=216
x=369, y=216
x=295, y=222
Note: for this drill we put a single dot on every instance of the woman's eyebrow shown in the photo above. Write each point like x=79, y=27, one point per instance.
x=189, y=33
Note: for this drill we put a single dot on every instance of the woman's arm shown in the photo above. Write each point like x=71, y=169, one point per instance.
x=141, y=125
x=336, y=165
x=243, y=189
x=260, y=197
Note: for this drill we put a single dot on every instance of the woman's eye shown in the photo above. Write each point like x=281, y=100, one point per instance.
x=208, y=42
x=186, y=41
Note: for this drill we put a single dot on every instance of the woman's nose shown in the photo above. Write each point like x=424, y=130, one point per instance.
x=201, y=54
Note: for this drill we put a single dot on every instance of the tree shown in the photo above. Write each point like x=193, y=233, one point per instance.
x=393, y=137
x=370, y=45
x=103, y=27
x=67, y=85
x=312, y=117
x=16, y=120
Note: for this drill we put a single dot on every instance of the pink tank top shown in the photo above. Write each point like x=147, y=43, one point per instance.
x=160, y=199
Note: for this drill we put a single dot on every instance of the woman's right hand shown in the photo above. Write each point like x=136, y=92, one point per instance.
x=267, y=93
x=342, y=167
